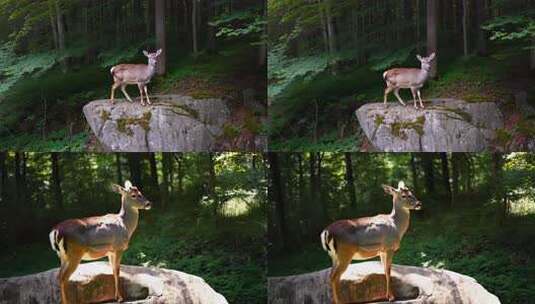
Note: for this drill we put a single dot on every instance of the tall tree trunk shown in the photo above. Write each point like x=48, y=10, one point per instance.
x=134, y=164
x=482, y=16
x=414, y=174
x=465, y=27
x=276, y=193
x=210, y=35
x=500, y=193
x=56, y=180
x=159, y=18
x=432, y=34
x=61, y=35
x=154, y=174
x=532, y=61
x=350, y=182
x=118, y=166
x=194, y=27
x=446, y=174
x=427, y=160
x=211, y=182
x=454, y=176
x=3, y=177
x=166, y=164
x=323, y=26
x=53, y=26
x=330, y=26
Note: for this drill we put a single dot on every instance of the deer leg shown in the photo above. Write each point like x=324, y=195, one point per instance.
x=124, y=92
x=396, y=92
x=386, y=258
x=65, y=272
x=420, y=98
x=147, y=95
x=113, y=88
x=387, y=91
x=339, y=266
x=115, y=263
x=413, y=91
x=140, y=87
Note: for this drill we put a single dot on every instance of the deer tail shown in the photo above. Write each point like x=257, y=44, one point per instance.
x=328, y=243
x=385, y=74
x=112, y=70
x=57, y=242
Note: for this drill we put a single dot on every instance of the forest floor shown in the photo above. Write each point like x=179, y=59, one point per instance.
x=495, y=78
x=471, y=241
x=45, y=113
x=227, y=253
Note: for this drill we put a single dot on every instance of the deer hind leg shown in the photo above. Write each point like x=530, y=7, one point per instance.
x=115, y=263
x=396, y=92
x=140, y=87
x=68, y=267
x=147, y=94
x=420, y=98
x=113, y=88
x=343, y=260
x=413, y=91
x=386, y=260
x=387, y=91
x=125, y=93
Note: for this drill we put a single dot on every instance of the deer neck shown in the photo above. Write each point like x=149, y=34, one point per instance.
x=424, y=71
x=129, y=216
x=400, y=216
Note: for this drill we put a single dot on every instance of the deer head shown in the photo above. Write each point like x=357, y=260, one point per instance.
x=403, y=197
x=131, y=196
x=426, y=61
x=152, y=56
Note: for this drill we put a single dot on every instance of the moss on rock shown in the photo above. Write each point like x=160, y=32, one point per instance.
x=124, y=123
x=398, y=128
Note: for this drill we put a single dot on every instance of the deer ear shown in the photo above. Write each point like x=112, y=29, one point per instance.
x=117, y=189
x=158, y=52
x=419, y=57
x=432, y=56
x=401, y=185
x=127, y=185
x=389, y=190
x=145, y=53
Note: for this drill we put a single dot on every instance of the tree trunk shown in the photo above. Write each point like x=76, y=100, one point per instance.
x=532, y=61
x=276, y=193
x=211, y=183
x=53, y=26
x=56, y=180
x=429, y=172
x=119, y=168
x=432, y=34
x=446, y=174
x=154, y=174
x=61, y=35
x=134, y=164
x=414, y=174
x=454, y=176
x=3, y=177
x=210, y=35
x=465, y=27
x=330, y=27
x=159, y=18
x=194, y=27
x=482, y=16
x=166, y=170
x=350, y=182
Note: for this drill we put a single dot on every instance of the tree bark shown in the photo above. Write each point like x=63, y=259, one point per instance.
x=61, y=35
x=482, y=16
x=134, y=164
x=210, y=35
x=330, y=26
x=154, y=172
x=414, y=174
x=194, y=27
x=159, y=18
x=3, y=177
x=429, y=172
x=119, y=168
x=465, y=28
x=166, y=170
x=276, y=193
x=350, y=182
x=532, y=61
x=432, y=34
x=446, y=175
x=56, y=180
x=454, y=176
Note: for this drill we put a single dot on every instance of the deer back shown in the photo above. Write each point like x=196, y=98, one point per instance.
x=132, y=73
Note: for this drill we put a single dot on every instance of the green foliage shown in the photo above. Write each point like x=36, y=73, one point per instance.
x=381, y=62
x=239, y=24
x=57, y=141
x=510, y=28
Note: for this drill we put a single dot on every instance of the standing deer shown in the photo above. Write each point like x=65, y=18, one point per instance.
x=140, y=74
x=405, y=78
x=368, y=237
x=95, y=237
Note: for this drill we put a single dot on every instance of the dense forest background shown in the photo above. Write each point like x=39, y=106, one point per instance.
x=55, y=56
x=326, y=59
x=208, y=216
x=478, y=215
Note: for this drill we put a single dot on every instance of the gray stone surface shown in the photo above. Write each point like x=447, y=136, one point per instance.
x=93, y=283
x=171, y=123
x=364, y=282
x=445, y=125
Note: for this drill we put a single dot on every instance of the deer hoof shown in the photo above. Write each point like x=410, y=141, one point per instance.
x=120, y=299
x=391, y=297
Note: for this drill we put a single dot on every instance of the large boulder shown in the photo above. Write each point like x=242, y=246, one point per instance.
x=365, y=282
x=93, y=283
x=171, y=123
x=444, y=125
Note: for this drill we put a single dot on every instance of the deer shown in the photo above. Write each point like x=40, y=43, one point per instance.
x=368, y=237
x=140, y=74
x=408, y=78
x=96, y=237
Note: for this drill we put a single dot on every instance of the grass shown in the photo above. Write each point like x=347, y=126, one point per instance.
x=468, y=241
x=228, y=253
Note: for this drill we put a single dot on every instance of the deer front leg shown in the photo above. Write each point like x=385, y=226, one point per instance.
x=115, y=263
x=413, y=91
x=113, y=88
x=420, y=98
x=386, y=259
x=147, y=94
x=396, y=92
x=125, y=93
x=387, y=91
x=140, y=87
